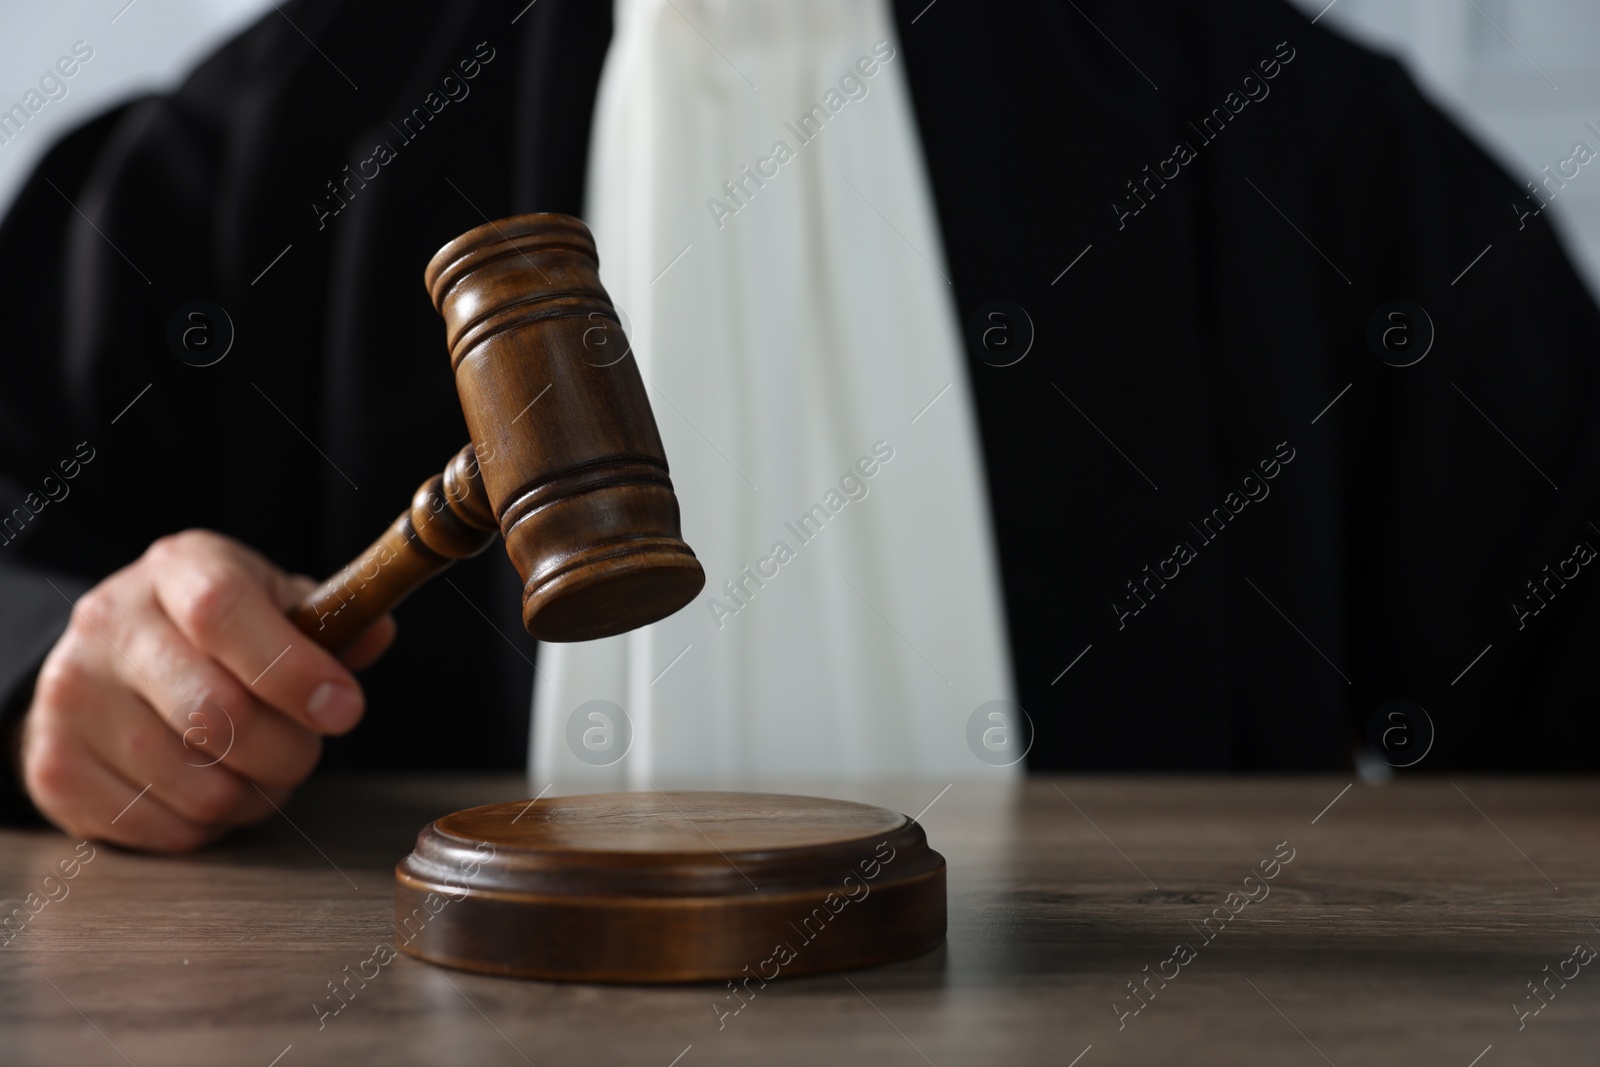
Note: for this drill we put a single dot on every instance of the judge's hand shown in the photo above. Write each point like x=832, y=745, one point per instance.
x=181, y=673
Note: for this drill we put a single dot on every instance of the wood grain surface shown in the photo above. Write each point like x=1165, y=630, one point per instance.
x=1404, y=930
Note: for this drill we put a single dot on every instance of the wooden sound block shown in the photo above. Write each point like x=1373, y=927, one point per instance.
x=670, y=887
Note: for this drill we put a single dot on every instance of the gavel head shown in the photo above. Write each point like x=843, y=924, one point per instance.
x=567, y=446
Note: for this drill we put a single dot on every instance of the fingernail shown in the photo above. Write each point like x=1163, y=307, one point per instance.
x=334, y=707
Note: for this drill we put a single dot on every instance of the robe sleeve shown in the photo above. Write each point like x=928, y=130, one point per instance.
x=45, y=516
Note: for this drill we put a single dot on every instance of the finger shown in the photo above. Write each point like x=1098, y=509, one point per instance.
x=371, y=645
x=85, y=798
x=80, y=692
x=216, y=720
x=220, y=597
x=210, y=716
x=130, y=738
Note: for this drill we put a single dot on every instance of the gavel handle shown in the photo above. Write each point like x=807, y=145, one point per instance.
x=449, y=519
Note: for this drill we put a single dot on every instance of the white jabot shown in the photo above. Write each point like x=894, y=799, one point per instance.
x=799, y=341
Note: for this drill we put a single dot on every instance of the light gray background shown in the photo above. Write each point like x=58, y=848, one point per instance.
x=150, y=45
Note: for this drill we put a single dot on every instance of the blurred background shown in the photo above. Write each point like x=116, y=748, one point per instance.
x=139, y=47
x=1521, y=76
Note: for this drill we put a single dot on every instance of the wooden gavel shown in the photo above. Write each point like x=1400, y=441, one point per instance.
x=577, y=486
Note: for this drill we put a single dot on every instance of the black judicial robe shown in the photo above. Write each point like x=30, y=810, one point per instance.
x=1236, y=572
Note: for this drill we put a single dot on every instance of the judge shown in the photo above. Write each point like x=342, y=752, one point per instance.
x=1016, y=360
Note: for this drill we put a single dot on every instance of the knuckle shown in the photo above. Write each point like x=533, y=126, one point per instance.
x=216, y=738
x=167, y=552
x=50, y=772
x=162, y=548
x=96, y=610
x=213, y=720
x=212, y=699
x=183, y=545
x=146, y=744
x=208, y=602
x=63, y=684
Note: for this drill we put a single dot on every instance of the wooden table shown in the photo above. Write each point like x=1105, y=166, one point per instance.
x=1403, y=931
